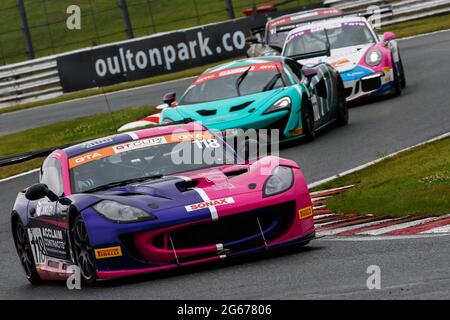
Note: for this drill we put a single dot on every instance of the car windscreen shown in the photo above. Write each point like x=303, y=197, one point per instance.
x=224, y=84
x=277, y=39
x=339, y=36
x=149, y=157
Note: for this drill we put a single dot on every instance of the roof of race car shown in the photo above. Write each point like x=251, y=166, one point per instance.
x=330, y=22
x=245, y=62
x=99, y=143
x=303, y=17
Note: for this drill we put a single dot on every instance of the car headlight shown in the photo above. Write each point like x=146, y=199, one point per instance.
x=282, y=179
x=282, y=104
x=374, y=57
x=118, y=212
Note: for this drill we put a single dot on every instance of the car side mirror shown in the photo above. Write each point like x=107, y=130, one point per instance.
x=252, y=40
x=169, y=98
x=39, y=191
x=388, y=36
x=276, y=48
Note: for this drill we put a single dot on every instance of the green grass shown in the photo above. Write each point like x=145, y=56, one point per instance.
x=414, y=182
x=102, y=22
x=420, y=26
x=62, y=133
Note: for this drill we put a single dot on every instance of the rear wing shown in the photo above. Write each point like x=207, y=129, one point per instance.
x=382, y=10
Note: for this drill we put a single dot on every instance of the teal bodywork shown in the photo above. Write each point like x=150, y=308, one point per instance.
x=219, y=115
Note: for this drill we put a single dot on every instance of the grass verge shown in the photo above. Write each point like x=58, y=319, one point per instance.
x=61, y=133
x=420, y=26
x=414, y=182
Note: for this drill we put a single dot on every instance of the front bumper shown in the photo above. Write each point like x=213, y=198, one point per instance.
x=362, y=82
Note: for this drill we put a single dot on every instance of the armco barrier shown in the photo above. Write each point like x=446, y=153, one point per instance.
x=43, y=78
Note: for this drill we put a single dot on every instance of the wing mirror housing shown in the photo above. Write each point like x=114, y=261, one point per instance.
x=388, y=36
x=169, y=98
x=39, y=191
x=252, y=40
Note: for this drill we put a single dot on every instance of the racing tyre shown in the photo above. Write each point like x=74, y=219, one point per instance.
x=84, y=256
x=23, y=248
x=342, y=108
x=397, y=82
x=402, y=74
x=308, y=123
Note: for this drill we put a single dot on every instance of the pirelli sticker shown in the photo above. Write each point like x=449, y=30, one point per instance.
x=209, y=203
x=137, y=144
x=305, y=213
x=108, y=252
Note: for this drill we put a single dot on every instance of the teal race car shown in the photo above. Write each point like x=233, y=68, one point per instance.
x=263, y=93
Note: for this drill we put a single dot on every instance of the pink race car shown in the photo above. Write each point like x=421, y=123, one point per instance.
x=126, y=205
x=369, y=65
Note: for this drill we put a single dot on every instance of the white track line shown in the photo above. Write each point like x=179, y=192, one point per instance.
x=441, y=229
x=330, y=190
x=320, y=216
x=332, y=232
x=20, y=175
x=395, y=227
x=320, y=198
x=423, y=35
x=371, y=163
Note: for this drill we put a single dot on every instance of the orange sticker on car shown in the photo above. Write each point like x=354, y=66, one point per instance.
x=305, y=213
x=138, y=144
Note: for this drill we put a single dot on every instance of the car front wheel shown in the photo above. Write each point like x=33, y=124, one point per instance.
x=23, y=248
x=84, y=256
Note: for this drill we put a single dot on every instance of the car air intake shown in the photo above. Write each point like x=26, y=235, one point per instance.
x=241, y=106
x=207, y=113
x=236, y=232
x=186, y=185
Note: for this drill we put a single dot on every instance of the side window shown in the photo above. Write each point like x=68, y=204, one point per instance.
x=51, y=175
x=296, y=70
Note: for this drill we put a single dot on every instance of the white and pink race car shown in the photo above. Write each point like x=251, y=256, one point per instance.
x=369, y=64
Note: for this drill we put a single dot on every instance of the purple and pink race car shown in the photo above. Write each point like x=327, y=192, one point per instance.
x=156, y=199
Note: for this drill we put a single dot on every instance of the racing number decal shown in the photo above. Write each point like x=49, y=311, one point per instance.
x=207, y=143
x=37, y=245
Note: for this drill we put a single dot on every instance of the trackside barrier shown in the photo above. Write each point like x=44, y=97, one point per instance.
x=402, y=10
x=40, y=79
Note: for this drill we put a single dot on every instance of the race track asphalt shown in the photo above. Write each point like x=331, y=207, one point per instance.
x=327, y=269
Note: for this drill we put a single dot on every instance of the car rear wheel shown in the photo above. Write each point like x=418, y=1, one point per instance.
x=308, y=123
x=23, y=248
x=342, y=108
x=84, y=255
x=402, y=74
x=397, y=81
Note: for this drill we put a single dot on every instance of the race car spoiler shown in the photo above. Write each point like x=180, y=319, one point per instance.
x=382, y=10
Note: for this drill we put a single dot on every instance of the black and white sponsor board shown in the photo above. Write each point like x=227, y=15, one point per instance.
x=155, y=55
x=158, y=54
